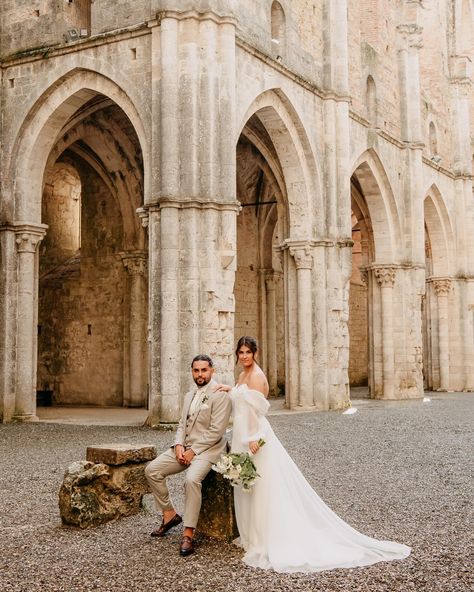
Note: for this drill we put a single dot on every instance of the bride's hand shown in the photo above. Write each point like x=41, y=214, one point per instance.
x=221, y=388
x=254, y=447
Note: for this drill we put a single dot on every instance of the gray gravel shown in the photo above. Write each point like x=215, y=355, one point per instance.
x=394, y=470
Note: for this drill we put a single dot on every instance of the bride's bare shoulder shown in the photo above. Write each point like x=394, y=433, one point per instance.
x=258, y=382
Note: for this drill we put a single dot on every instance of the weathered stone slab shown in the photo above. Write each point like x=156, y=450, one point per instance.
x=217, y=517
x=92, y=494
x=120, y=454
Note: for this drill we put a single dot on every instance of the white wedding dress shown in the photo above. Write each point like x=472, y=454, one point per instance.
x=283, y=524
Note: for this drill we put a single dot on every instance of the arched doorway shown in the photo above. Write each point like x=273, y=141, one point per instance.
x=278, y=294
x=362, y=257
x=261, y=229
x=439, y=288
x=80, y=178
x=372, y=301
x=92, y=283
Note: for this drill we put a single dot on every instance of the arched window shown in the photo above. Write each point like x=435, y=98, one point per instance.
x=278, y=29
x=433, y=139
x=371, y=101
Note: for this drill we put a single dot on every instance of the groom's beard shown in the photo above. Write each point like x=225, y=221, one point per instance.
x=201, y=381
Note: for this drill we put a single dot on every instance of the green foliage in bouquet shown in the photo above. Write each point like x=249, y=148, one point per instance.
x=239, y=468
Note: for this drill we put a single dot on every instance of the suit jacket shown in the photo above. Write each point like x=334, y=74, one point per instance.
x=205, y=432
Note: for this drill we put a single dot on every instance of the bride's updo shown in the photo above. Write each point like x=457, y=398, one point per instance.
x=250, y=342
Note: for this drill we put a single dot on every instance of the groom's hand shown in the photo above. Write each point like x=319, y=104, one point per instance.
x=188, y=456
x=179, y=451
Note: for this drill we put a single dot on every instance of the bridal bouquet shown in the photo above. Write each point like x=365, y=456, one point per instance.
x=239, y=468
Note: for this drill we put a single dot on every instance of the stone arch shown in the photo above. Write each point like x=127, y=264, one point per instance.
x=374, y=186
x=377, y=234
x=298, y=164
x=439, y=264
x=87, y=121
x=102, y=142
x=440, y=232
x=287, y=182
x=41, y=126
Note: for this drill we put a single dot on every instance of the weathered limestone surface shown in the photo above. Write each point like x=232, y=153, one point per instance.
x=96, y=492
x=120, y=454
x=217, y=517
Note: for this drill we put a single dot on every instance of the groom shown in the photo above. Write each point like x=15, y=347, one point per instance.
x=198, y=444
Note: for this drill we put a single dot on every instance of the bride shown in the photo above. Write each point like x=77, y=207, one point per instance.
x=283, y=524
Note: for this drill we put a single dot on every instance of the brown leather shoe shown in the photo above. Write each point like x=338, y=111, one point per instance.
x=163, y=529
x=186, y=547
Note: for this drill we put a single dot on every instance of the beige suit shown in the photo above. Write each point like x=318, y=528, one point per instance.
x=202, y=431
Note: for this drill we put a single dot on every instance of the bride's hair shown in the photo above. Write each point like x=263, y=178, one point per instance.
x=250, y=342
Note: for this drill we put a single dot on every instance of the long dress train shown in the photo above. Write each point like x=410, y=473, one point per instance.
x=283, y=524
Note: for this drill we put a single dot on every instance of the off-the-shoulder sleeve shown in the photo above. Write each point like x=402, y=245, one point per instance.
x=253, y=407
x=255, y=399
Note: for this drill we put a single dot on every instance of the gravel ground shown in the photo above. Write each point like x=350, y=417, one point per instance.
x=394, y=470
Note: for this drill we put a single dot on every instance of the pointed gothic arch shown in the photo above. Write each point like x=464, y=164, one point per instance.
x=42, y=125
x=282, y=175
x=66, y=126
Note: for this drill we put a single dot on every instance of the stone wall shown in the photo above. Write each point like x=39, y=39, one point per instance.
x=26, y=26
x=81, y=302
x=358, y=335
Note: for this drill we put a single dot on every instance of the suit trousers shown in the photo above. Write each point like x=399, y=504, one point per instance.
x=166, y=464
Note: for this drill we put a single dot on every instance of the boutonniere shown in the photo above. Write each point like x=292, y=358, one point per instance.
x=205, y=398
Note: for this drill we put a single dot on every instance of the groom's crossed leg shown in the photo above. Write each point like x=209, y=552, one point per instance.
x=166, y=464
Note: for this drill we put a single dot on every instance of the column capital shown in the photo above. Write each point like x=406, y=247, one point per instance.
x=411, y=36
x=385, y=276
x=144, y=216
x=303, y=257
x=28, y=236
x=135, y=263
x=269, y=276
x=442, y=286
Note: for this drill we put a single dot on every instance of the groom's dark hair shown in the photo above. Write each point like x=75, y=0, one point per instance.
x=202, y=358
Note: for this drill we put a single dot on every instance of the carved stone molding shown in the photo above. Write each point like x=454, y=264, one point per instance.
x=303, y=257
x=28, y=237
x=385, y=276
x=143, y=215
x=135, y=264
x=364, y=275
x=411, y=35
x=442, y=286
x=269, y=280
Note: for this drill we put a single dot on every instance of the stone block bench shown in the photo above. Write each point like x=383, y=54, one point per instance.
x=108, y=485
x=111, y=483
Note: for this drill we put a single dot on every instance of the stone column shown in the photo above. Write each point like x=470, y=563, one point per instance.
x=193, y=81
x=136, y=265
x=385, y=277
x=8, y=303
x=409, y=45
x=304, y=264
x=271, y=337
x=442, y=288
x=28, y=237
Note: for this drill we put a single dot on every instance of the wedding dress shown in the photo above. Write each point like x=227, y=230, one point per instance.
x=283, y=524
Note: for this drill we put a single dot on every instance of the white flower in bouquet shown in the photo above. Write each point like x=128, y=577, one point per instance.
x=239, y=468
